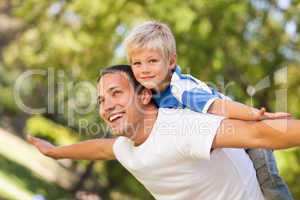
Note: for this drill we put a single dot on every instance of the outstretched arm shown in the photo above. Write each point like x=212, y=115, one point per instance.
x=95, y=149
x=201, y=98
x=270, y=134
x=236, y=110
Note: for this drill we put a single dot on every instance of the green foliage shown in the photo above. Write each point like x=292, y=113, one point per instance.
x=6, y=100
x=44, y=128
x=288, y=162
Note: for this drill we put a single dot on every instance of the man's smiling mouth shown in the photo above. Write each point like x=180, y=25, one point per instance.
x=115, y=116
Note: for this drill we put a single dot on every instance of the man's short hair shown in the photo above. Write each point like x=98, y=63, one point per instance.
x=151, y=35
x=123, y=69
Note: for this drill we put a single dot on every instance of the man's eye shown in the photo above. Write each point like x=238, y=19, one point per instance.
x=116, y=92
x=100, y=101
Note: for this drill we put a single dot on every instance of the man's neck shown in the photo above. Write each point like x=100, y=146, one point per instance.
x=145, y=126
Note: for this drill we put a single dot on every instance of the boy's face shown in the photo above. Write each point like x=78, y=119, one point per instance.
x=151, y=68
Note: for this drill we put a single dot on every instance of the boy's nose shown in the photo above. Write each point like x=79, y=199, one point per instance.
x=145, y=69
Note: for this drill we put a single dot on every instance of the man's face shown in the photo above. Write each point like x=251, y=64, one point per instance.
x=119, y=104
x=151, y=68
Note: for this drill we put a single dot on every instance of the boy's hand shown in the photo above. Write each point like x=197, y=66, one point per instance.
x=262, y=114
x=42, y=145
x=277, y=115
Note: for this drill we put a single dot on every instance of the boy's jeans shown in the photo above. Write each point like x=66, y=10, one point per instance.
x=271, y=184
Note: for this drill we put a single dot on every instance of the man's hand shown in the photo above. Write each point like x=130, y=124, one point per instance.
x=262, y=115
x=42, y=145
x=94, y=149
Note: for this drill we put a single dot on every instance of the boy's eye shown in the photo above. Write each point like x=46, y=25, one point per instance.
x=136, y=63
x=152, y=61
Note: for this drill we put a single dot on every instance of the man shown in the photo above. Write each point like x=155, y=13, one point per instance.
x=176, y=154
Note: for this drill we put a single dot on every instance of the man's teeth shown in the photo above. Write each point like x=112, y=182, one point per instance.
x=112, y=118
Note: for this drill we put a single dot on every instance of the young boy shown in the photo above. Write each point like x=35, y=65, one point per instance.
x=151, y=51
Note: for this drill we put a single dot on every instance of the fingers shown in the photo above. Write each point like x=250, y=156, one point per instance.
x=261, y=114
x=283, y=114
x=262, y=111
x=278, y=115
x=32, y=140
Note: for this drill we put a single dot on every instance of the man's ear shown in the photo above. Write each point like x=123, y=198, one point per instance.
x=145, y=96
x=172, y=61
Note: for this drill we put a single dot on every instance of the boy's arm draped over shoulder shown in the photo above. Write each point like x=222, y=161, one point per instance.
x=236, y=110
x=94, y=149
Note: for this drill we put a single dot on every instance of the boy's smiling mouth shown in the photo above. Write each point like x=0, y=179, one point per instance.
x=147, y=77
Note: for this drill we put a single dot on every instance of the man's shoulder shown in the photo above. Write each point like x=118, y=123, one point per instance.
x=177, y=115
x=171, y=120
x=172, y=112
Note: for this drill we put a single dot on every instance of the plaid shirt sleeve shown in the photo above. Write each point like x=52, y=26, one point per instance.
x=194, y=96
x=193, y=93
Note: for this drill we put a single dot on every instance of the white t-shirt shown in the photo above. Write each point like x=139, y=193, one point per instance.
x=176, y=162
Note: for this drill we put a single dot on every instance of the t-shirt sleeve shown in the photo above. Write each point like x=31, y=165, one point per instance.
x=196, y=134
x=120, y=149
x=195, y=96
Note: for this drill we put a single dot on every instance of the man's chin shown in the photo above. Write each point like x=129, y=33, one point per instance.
x=120, y=129
x=117, y=132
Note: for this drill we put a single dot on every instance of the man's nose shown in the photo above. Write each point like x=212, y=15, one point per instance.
x=108, y=105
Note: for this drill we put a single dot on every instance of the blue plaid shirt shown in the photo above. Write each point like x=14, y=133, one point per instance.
x=185, y=91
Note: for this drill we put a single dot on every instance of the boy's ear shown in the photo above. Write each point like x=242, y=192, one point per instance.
x=145, y=96
x=172, y=61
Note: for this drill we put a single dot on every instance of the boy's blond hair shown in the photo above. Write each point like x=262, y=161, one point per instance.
x=151, y=35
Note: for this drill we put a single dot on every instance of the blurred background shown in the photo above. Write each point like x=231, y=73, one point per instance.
x=51, y=53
